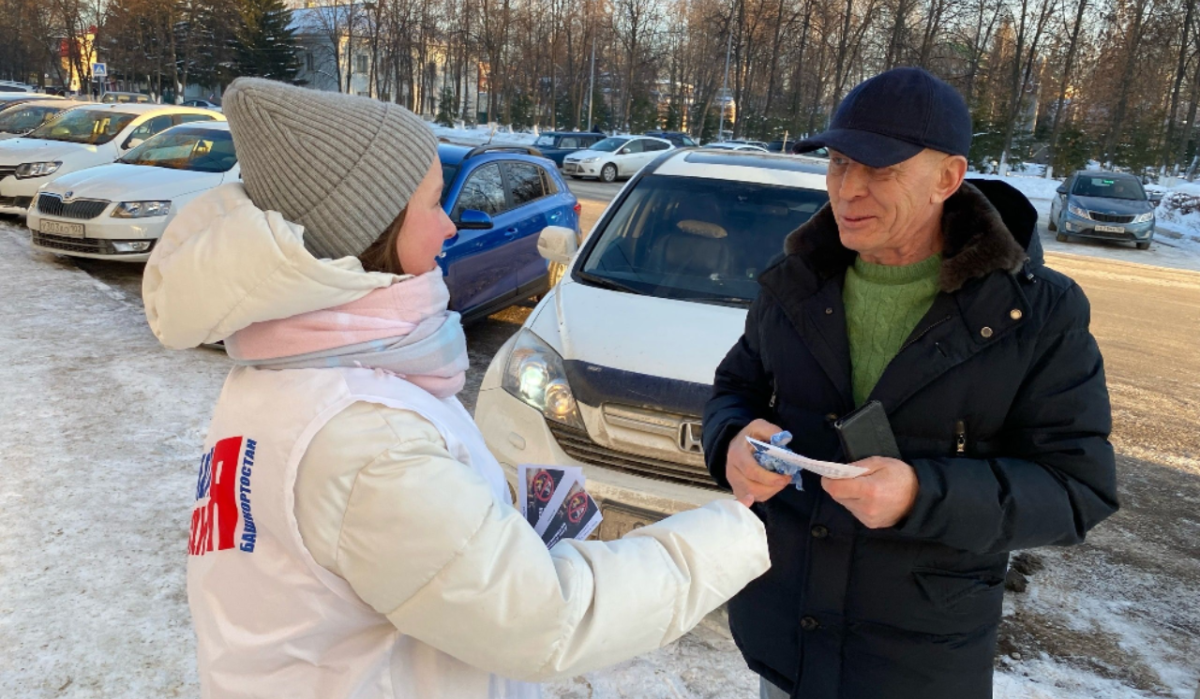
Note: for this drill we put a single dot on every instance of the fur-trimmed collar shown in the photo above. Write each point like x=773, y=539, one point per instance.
x=976, y=241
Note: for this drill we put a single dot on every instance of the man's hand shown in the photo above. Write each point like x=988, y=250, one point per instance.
x=750, y=481
x=880, y=497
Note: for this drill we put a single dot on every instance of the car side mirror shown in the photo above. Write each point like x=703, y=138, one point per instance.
x=472, y=220
x=134, y=143
x=557, y=244
x=1062, y=189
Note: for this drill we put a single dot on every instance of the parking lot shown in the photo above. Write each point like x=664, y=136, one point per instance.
x=102, y=427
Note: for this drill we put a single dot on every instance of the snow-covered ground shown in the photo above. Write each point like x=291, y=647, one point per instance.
x=99, y=437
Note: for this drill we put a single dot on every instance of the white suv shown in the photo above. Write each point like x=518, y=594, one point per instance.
x=611, y=371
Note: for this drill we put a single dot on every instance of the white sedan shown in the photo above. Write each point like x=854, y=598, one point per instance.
x=119, y=211
x=618, y=156
x=612, y=369
x=19, y=119
x=81, y=138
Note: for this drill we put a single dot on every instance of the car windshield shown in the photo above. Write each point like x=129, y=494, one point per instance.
x=23, y=119
x=697, y=239
x=448, y=174
x=94, y=126
x=1108, y=187
x=609, y=145
x=202, y=150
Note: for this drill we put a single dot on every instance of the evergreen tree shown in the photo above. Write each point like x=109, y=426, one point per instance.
x=265, y=43
x=447, y=107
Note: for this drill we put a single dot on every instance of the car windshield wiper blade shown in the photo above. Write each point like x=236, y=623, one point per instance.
x=721, y=300
x=606, y=283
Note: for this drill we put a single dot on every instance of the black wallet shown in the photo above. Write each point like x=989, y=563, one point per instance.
x=867, y=432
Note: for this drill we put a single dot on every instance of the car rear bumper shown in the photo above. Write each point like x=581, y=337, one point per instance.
x=518, y=434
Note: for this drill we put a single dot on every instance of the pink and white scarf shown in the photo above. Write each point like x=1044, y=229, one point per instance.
x=404, y=329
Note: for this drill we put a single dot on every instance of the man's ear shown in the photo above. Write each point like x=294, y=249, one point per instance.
x=951, y=172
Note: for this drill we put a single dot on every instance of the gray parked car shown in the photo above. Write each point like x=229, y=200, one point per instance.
x=1103, y=205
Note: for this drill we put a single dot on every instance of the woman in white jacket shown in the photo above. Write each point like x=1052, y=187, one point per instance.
x=351, y=534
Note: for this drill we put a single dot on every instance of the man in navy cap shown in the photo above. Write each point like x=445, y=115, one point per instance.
x=928, y=294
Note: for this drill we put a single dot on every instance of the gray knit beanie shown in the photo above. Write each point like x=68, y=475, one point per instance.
x=341, y=166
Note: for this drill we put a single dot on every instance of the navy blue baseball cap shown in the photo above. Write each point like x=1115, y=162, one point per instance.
x=893, y=116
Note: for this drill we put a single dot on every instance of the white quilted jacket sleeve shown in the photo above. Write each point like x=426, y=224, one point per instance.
x=421, y=538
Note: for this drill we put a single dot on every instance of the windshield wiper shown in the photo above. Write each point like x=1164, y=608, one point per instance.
x=606, y=283
x=719, y=300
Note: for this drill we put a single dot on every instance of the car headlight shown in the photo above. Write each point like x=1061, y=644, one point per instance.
x=589, y=160
x=27, y=170
x=534, y=374
x=141, y=209
x=1143, y=218
x=1081, y=213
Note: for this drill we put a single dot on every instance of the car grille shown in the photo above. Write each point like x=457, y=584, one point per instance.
x=58, y=242
x=7, y=171
x=1110, y=218
x=570, y=168
x=579, y=445
x=18, y=202
x=52, y=205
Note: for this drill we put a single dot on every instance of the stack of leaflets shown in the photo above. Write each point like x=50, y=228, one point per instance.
x=553, y=501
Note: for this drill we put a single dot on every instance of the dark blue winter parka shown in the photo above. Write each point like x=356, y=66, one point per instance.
x=998, y=402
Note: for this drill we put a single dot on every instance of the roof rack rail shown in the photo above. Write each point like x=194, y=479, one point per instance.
x=487, y=148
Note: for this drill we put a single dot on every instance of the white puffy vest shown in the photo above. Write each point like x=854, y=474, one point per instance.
x=272, y=622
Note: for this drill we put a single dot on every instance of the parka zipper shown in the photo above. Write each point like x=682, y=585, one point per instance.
x=960, y=437
x=924, y=333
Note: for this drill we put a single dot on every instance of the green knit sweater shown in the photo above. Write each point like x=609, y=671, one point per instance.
x=883, y=305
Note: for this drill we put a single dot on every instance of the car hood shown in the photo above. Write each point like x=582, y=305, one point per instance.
x=663, y=338
x=1105, y=205
x=35, y=150
x=121, y=182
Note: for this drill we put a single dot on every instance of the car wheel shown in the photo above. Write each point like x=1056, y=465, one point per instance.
x=1051, y=225
x=1061, y=237
x=608, y=173
x=1144, y=246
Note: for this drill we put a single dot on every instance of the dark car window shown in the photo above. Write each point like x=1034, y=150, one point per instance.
x=698, y=239
x=656, y=145
x=483, y=191
x=1109, y=187
x=525, y=183
x=149, y=128
x=189, y=118
x=449, y=172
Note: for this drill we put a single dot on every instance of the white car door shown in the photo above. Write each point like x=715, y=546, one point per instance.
x=629, y=157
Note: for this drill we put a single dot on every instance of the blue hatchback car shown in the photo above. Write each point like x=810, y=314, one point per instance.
x=500, y=198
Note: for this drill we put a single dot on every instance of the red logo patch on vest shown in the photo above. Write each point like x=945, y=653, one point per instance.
x=223, y=499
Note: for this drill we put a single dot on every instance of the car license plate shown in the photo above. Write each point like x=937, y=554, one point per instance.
x=620, y=519
x=1110, y=229
x=74, y=230
x=570, y=167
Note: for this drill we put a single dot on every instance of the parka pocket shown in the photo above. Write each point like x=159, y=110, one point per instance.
x=961, y=593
